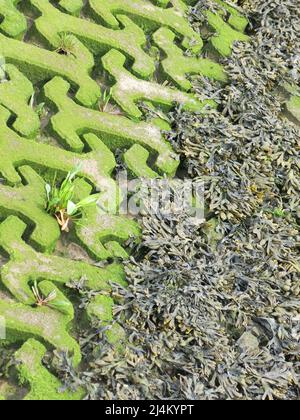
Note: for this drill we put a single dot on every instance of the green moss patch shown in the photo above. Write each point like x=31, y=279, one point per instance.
x=43, y=385
x=72, y=121
x=15, y=95
x=46, y=324
x=177, y=66
x=28, y=202
x=128, y=90
x=103, y=234
x=98, y=39
x=149, y=15
x=26, y=265
x=13, y=23
x=40, y=65
x=293, y=106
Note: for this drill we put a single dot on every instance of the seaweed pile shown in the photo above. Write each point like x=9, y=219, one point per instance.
x=212, y=310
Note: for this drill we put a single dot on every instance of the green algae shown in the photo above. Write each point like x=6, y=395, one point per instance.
x=103, y=234
x=17, y=151
x=27, y=265
x=15, y=94
x=136, y=160
x=71, y=6
x=177, y=66
x=40, y=65
x=98, y=39
x=225, y=35
x=13, y=22
x=293, y=106
x=152, y=16
x=236, y=19
x=46, y=324
x=43, y=385
x=28, y=202
x=72, y=121
x=101, y=308
x=129, y=90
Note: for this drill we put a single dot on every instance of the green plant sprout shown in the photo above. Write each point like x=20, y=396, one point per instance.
x=278, y=212
x=41, y=300
x=60, y=201
x=66, y=44
x=40, y=109
x=105, y=100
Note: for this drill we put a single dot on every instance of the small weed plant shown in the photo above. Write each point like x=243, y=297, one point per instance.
x=60, y=202
x=66, y=45
x=41, y=300
x=104, y=101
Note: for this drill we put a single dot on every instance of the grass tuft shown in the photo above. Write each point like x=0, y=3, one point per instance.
x=60, y=202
